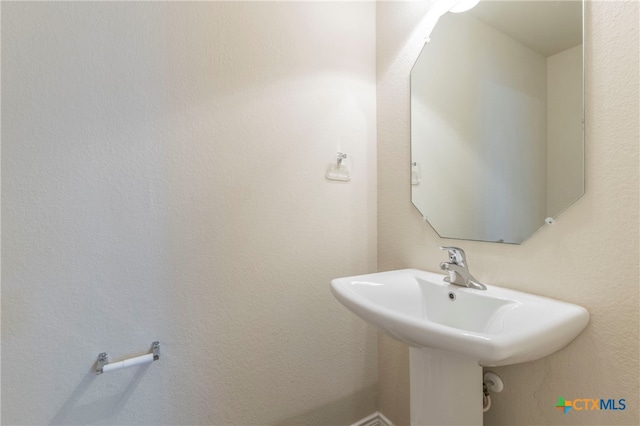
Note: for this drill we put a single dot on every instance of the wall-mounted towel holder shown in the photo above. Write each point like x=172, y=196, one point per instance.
x=339, y=169
x=104, y=366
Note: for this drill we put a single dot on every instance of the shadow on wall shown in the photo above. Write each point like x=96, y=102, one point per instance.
x=71, y=413
x=318, y=416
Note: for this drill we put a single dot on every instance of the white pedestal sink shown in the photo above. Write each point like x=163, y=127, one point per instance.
x=453, y=331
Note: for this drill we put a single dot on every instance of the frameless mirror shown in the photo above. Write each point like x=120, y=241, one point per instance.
x=497, y=140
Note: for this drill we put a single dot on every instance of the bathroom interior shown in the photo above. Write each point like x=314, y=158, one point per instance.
x=172, y=172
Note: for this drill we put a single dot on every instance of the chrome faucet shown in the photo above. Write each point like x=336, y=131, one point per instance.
x=458, y=271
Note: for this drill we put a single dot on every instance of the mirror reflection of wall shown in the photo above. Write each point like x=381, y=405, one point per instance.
x=496, y=119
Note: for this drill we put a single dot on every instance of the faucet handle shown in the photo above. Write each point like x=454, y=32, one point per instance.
x=456, y=255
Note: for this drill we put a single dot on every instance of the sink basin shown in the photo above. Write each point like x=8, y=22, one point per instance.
x=492, y=327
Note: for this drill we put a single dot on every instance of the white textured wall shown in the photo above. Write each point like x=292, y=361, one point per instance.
x=163, y=178
x=589, y=257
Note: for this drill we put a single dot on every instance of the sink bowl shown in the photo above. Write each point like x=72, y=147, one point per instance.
x=492, y=327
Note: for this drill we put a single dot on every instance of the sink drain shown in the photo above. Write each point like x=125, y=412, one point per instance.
x=452, y=296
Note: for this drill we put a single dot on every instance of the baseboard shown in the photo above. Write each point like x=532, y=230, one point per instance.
x=375, y=419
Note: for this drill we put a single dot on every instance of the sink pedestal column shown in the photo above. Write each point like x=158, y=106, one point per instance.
x=446, y=388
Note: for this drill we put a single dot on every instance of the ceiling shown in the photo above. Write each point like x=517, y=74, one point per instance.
x=548, y=27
